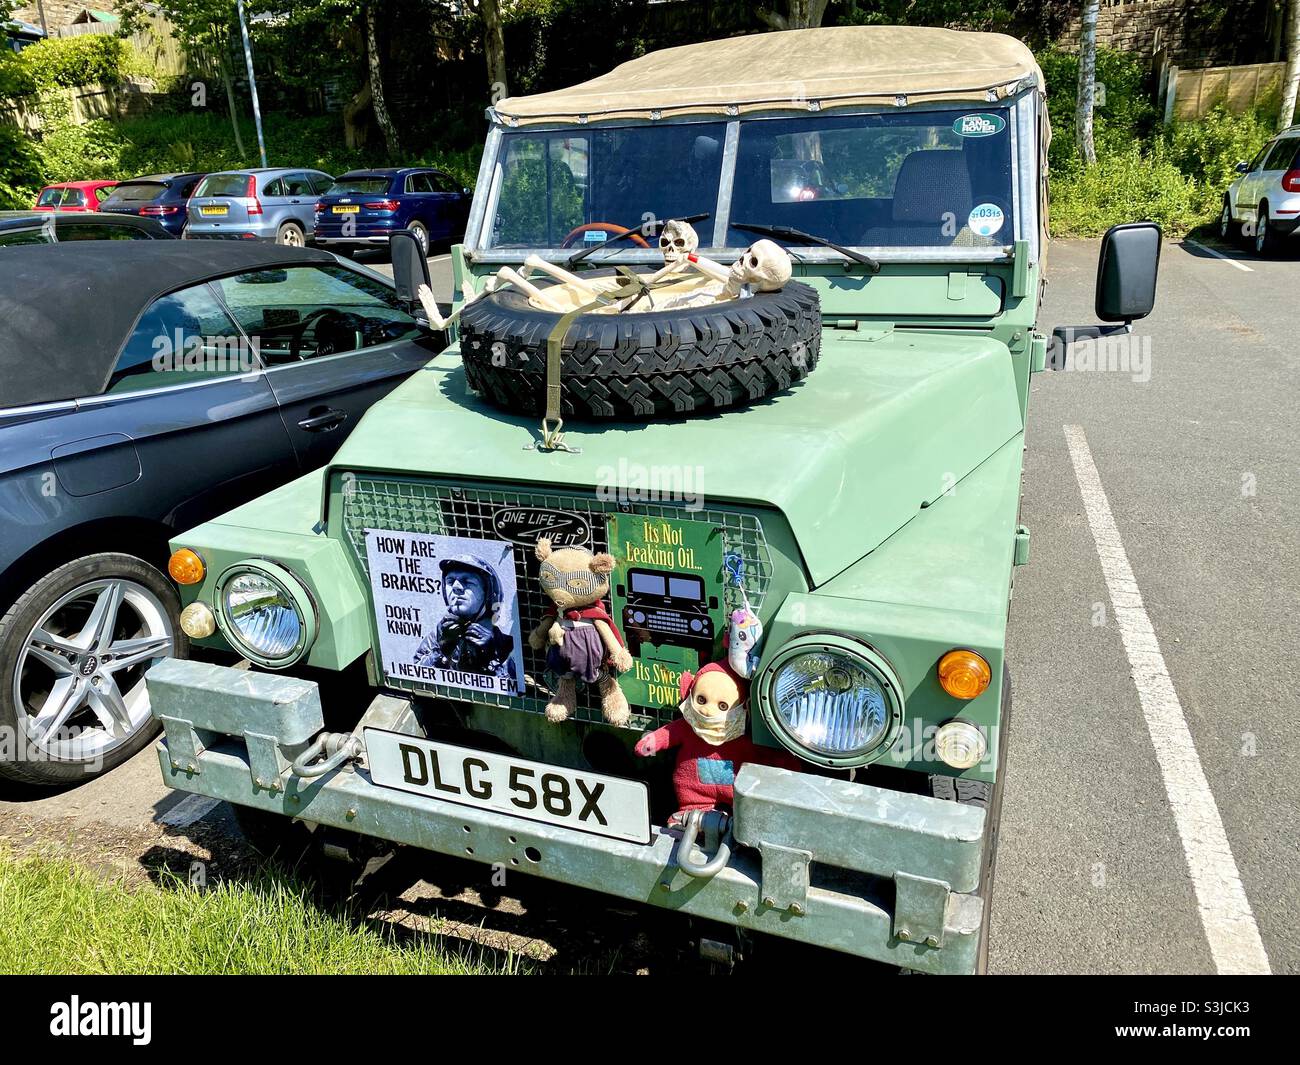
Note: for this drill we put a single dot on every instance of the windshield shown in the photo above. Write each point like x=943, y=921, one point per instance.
x=569, y=189
x=913, y=179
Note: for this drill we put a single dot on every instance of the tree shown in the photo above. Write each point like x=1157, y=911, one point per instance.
x=1291, y=84
x=1087, y=84
x=494, y=47
x=799, y=15
x=382, y=116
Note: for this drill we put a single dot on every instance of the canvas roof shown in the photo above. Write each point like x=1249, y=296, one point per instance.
x=826, y=67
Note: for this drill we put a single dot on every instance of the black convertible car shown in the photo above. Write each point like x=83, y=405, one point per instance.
x=146, y=386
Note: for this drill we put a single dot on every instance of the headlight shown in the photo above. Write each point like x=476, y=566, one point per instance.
x=831, y=700
x=266, y=613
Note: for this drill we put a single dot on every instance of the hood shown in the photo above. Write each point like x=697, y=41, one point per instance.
x=886, y=423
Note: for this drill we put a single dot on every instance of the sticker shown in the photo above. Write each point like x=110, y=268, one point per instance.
x=447, y=610
x=979, y=125
x=595, y=236
x=526, y=525
x=986, y=219
x=668, y=600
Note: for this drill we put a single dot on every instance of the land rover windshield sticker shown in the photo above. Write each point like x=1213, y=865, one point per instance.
x=668, y=599
x=447, y=610
x=979, y=125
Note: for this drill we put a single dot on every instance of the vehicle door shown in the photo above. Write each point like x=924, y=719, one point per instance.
x=300, y=198
x=188, y=426
x=1248, y=191
x=334, y=339
x=453, y=207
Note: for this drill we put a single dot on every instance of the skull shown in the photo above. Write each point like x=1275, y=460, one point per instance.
x=678, y=240
x=764, y=267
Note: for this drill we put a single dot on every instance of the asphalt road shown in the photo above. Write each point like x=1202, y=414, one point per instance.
x=1195, y=463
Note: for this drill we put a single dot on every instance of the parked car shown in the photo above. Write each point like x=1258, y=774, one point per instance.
x=859, y=410
x=163, y=197
x=275, y=204
x=56, y=228
x=73, y=196
x=1263, y=205
x=197, y=377
x=364, y=207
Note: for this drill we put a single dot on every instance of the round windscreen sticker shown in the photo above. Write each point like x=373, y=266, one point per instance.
x=986, y=219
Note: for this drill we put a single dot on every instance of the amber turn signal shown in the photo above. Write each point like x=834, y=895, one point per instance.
x=964, y=674
x=185, y=567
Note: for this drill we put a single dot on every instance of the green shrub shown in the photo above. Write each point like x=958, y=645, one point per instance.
x=1125, y=115
x=68, y=62
x=1209, y=148
x=20, y=170
x=1127, y=185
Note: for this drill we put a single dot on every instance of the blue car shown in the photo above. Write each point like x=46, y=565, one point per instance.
x=162, y=197
x=363, y=208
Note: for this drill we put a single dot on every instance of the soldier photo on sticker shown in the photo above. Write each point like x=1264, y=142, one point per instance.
x=447, y=609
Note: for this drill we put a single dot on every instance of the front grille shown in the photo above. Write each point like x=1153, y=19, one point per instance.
x=425, y=506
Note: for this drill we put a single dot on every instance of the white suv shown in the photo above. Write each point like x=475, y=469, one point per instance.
x=1264, y=203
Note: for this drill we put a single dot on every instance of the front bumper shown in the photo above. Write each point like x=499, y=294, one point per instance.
x=874, y=873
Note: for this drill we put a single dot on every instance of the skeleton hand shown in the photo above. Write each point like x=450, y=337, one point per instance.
x=430, y=305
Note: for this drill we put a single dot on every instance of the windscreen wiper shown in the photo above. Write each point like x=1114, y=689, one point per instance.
x=643, y=229
x=800, y=237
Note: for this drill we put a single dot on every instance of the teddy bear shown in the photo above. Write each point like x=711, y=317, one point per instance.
x=582, y=641
x=710, y=740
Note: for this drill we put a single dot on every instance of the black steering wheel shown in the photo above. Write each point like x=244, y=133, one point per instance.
x=320, y=316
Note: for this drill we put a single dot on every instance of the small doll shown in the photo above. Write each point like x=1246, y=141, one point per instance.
x=582, y=640
x=710, y=740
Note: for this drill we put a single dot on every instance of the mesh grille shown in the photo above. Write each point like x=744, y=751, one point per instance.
x=433, y=507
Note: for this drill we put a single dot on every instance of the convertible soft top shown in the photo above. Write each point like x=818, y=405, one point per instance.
x=67, y=309
x=794, y=70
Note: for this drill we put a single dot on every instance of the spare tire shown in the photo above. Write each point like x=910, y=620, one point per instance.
x=640, y=365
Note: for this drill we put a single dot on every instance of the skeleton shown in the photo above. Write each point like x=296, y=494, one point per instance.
x=677, y=240
x=763, y=267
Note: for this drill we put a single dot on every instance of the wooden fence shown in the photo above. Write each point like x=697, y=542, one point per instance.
x=1191, y=93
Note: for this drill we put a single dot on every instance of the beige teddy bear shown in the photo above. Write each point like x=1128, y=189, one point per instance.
x=582, y=640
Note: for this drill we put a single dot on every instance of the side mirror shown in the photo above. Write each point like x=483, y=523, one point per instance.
x=1126, y=287
x=467, y=192
x=410, y=267
x=1126, y=271
x=1242, y=168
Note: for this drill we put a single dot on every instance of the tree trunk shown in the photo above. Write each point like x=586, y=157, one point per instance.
x=1291, y=83
x=800, y=15
x=1087, y=84
x=230, y=103
x=494, y=47
x=354, y=133
x=382, y=116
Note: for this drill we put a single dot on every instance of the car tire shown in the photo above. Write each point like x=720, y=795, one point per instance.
x=421, y=233
x=642, y=365
x=1229, y=227
x=987, y=795
x=53, y=643
x=1265, y=240
x=291, y=235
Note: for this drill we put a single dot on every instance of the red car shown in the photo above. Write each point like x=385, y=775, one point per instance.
x=75, y=196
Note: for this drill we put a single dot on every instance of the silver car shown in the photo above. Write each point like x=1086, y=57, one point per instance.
x=1264, y=203
x=266, y=204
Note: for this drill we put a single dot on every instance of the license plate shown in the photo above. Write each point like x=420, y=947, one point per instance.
x=534, y=791
x=347, y=210
x=215, y=209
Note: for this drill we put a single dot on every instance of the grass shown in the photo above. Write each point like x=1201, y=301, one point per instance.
x=59, y=918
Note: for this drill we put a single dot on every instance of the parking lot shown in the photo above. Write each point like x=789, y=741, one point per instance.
x=1149, y=823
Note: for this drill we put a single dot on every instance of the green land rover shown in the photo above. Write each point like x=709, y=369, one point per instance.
x=683, y=573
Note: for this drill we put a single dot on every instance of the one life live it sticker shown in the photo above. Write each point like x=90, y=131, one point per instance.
x=986, y=219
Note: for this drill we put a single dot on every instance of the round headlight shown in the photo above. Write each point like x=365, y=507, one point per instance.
x=832, y=701
x=266, y=614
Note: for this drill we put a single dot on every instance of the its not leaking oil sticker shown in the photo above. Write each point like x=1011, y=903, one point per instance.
x=986, y=219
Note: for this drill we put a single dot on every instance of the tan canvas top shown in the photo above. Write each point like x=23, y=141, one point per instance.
x=828, y=66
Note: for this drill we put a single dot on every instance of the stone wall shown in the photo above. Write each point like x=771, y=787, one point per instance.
x=1150, y=26
x=60, y=13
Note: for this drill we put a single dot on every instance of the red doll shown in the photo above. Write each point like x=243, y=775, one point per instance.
x=710, y=739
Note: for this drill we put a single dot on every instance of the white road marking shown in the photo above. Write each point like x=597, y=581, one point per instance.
x=1219, y=255
x=1225, y=911
x=190, y=809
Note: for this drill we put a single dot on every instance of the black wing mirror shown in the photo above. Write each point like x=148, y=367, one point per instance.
x=1126, y=286
x=410, y=267
x=1242, y=168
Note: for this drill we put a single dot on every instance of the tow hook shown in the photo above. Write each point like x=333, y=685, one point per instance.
x=717, y=834
x=336, y=747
